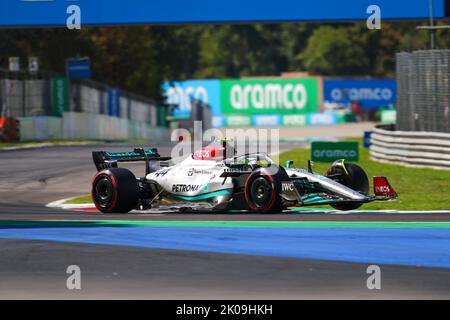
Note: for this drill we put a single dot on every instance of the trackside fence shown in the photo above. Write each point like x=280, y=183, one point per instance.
x=84, y=126
x=421, y=135
x=48, y=106
x=423, y=91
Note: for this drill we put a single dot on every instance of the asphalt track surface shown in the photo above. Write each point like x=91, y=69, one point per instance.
x=33, y=268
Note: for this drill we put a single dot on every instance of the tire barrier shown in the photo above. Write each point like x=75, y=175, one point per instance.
x=411, y=148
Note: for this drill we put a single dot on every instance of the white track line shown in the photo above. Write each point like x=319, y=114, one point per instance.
x=61, y=204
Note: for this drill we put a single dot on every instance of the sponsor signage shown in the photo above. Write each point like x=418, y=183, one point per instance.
x=112, y=12
x=114, y=102
x=331, y=151
x=367, y=139
x=371, y=94
x=184, y=95
x=14, y=64
x=238, y=121
x=294, y=120
x=33, y=64
x=181, y=188
x=79, y=68
x=322, y=119
x=315, y=119
x=60, y=96
x=218, y=122
x=266, y=120
x=273, y=102
x=270, y=96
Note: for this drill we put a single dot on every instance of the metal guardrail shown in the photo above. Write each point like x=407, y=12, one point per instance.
x=416, y=149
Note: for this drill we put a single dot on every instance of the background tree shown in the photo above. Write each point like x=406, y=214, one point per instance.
x=139, y=58
x=335, y=52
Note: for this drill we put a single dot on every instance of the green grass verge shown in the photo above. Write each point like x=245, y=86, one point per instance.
x=80, y=200
x=418, y=189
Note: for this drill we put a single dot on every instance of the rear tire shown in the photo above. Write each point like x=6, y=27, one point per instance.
x=115, y=190
x=355, y=178
x=262, y=191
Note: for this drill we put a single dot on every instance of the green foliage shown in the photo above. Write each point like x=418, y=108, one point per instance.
x=335, y=51
x=139, y=58
x=240, y=50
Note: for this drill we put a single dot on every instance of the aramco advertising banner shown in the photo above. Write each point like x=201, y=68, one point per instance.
x=184, y=95
x=370, y=93
x=255, y=102
x=269, y=96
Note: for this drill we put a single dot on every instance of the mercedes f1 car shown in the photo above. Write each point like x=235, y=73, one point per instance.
x=216, y=179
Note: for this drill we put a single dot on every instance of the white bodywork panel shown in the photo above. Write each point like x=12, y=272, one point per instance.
x=193, y=178
x=326, y=182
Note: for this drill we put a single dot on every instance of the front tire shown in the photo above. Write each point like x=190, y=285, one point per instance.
x=354, y=177
x=115, y=190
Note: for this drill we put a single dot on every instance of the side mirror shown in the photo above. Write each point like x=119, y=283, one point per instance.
x=289, y=164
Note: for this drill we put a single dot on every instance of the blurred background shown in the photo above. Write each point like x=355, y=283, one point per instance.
x=138, y=82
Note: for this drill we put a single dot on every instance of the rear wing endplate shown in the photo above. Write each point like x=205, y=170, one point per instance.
x=105, y=160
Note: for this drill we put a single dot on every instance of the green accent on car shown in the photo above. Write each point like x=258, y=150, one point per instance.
x=313, y=198
x=127, y=154
x=343, y=166
x=204, y=196
x=289, y=163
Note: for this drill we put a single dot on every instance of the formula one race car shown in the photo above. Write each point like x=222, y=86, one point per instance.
x=215, y=179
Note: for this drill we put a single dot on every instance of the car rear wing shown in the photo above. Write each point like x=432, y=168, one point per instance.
x=105, y=160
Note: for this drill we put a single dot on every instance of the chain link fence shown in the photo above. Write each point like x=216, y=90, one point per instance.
x=423, y=91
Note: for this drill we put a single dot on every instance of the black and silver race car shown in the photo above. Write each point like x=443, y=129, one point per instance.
x=216, y=179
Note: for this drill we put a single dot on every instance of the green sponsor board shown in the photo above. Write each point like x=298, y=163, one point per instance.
x=60, y=96
x=332, y=151
x=270, y=96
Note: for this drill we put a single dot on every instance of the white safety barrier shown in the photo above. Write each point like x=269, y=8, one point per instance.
x=416, y=149
x=87, y=126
